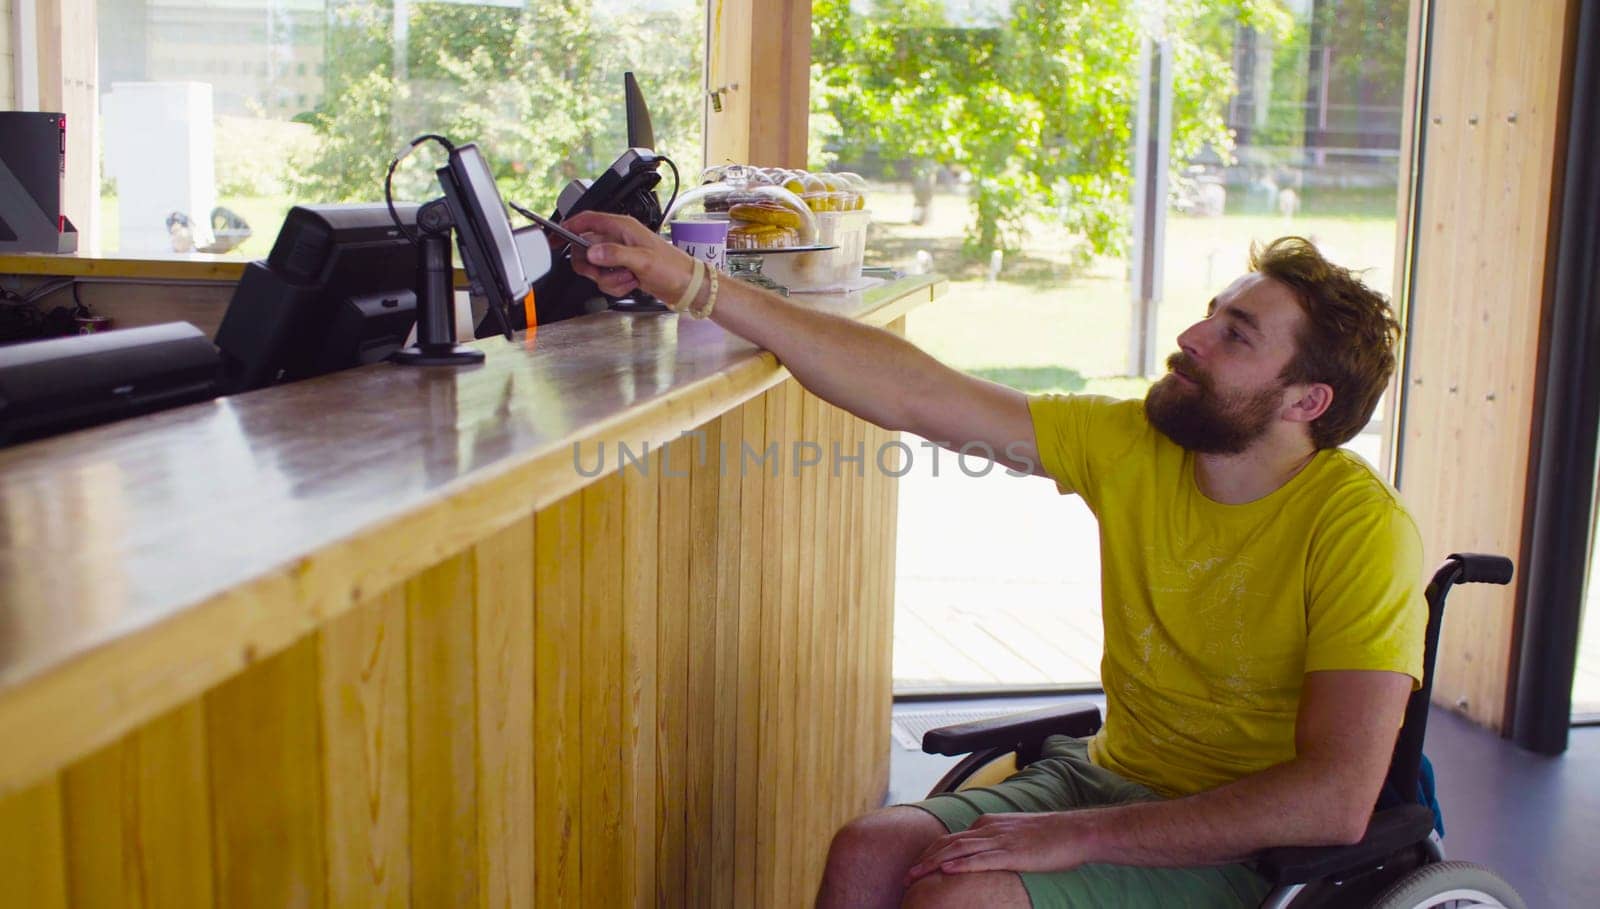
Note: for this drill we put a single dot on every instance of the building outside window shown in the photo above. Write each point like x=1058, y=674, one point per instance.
x=261, y=104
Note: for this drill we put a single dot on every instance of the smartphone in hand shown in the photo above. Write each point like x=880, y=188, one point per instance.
x=554, y=228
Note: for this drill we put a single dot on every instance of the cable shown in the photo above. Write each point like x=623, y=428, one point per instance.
x=82, y=309
x=23, y=319
x=388, y=178
x=45, y=290
x=677, y=182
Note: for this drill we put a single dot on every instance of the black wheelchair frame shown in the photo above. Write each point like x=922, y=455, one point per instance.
x=1398, y=862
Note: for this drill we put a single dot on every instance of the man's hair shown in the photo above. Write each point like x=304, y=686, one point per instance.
x=1347, y=341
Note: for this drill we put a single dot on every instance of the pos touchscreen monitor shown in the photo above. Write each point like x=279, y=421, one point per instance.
x=489, y=247
x=500, y=269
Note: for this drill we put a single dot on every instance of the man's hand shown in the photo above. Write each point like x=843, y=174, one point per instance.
x=1322, y=797
x=1006, y=842
x=626, y=255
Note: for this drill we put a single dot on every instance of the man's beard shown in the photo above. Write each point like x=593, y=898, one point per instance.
x=1203, y=421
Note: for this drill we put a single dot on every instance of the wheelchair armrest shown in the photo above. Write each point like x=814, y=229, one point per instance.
x=1030, y=727
x=1389, y=831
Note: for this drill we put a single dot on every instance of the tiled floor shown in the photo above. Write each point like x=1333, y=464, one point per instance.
x=1530, y=818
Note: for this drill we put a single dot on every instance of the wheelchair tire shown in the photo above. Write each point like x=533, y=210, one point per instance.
x=1450, y=885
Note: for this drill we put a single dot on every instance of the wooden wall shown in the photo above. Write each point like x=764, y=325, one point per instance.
x=764, y=48
x=1492, y=137
x=8, y=62
x=668, y=688
x=131, y=304
x=69, y=69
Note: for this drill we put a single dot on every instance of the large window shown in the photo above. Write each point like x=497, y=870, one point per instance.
x=1001, y=138
x=217, y=115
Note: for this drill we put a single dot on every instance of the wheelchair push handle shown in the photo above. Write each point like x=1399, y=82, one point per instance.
x=1477, y=568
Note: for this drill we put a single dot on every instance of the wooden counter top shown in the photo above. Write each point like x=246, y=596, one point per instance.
x=170, y=267
x=142, y=562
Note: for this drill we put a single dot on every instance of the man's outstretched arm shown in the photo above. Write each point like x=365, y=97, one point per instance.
x=867, y=371
x=1344, y=736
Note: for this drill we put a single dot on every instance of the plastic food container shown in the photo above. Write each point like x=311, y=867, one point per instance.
x=833, y=269
x=760, y=215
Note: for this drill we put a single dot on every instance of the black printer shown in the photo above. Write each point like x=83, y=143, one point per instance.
x=53, y=386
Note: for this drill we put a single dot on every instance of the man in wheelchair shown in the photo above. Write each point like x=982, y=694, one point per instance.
x=1261, y=589
x=1262, y=596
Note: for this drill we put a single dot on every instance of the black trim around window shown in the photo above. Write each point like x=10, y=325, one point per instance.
x=1561, y=509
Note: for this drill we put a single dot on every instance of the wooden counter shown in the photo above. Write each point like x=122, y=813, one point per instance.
x=168, y=266
x=388, y=635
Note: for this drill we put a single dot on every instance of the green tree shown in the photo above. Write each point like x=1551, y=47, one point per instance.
x=537, y=86
x=354, y=123
x=1037, y=106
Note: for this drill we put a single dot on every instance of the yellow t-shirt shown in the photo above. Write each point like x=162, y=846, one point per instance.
x=1214, y=613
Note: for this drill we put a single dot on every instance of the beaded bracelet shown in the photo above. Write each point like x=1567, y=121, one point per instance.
x=711, y=299
x=697, y=275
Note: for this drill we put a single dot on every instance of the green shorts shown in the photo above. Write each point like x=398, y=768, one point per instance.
x=1064, y=779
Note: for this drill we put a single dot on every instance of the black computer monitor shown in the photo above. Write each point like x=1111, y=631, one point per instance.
x=337, y=290
x=489, y=249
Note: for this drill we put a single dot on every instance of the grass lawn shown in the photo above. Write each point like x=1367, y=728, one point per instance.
x=1040, y=327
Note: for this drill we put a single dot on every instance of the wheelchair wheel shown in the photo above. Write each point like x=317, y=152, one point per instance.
x=1450, y=885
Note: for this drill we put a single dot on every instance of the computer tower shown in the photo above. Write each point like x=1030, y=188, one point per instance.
x=33, y=166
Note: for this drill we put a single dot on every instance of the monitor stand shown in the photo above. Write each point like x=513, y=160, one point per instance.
x=436, y=310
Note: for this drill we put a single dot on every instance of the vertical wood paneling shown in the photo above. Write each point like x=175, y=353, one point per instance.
x=837, y=730
x=138, y=818
x=790, y=648
x=805, y=683
x=367, y=751
x=443, y=709
x=669, y=688
x=558, y=771
x=93, y=800
x=724, y=671
x=640, y=532
x=754, y=483
x=1492, y=143
x=848, y=637
x=699, y=741
x=32, y=860
x=673, y=760
x=266, y=783
x=819, y=685
x=775, y=405
x=504, y=566
x=835, y=734
x=602, y=686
